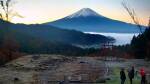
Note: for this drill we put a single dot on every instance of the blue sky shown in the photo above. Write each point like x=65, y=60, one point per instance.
x=40, y=11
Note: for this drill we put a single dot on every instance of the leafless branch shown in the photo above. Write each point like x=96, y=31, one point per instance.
x=7, y=12
x=149, y=23
x=1, y=16
x=132, y=14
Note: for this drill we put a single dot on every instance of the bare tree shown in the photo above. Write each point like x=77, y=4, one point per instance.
x=132, y=14
x=6, y=10
x=149, y=23
x=9, y=46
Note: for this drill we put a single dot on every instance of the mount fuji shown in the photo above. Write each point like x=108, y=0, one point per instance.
x=87, y=20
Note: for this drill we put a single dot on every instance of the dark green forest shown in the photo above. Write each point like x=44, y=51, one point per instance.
x=18, y=39
x=141, y=45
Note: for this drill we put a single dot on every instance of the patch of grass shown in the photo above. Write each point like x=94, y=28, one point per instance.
x=115, y=78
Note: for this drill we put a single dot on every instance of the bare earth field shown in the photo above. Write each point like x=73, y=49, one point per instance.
x=53, y=69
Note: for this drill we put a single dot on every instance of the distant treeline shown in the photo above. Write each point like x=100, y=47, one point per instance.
x=47, y=39
x=16, y=39
x=139, y=47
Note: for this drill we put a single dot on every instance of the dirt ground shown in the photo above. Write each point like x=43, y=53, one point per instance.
x=48, y=69
x=52, y=69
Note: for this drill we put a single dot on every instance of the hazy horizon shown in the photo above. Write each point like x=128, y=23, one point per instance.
x=121, y=38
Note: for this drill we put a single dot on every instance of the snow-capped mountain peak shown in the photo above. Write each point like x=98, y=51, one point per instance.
x=84, y=13
x=87, y=20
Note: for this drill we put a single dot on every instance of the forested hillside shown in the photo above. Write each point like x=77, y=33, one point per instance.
x=41, y=39
x=141, y=45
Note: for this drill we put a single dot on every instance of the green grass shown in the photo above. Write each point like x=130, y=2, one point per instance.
x=115, y=79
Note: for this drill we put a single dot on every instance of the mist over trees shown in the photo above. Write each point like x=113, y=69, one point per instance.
x=41, y=39
x=14, y=41
x=140, y=45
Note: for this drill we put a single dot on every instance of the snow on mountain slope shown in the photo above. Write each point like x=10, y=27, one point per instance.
x=87, y=20
x=84, y=13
